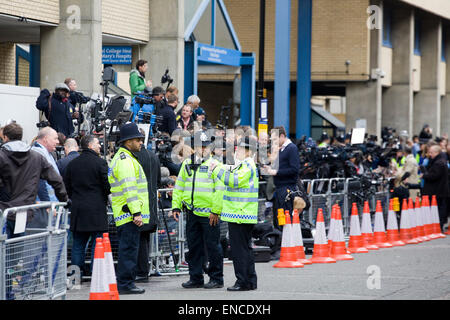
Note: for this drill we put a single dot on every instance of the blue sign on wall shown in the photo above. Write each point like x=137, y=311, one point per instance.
x=210, y=54
x=116, y=55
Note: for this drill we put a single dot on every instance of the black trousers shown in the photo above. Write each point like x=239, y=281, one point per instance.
x=279, y=197
x=128, y=235
x=442, y=208
x=242, y=254
x=200, y=234
x=142, y=265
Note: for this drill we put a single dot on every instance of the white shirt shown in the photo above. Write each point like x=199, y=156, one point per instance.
x=285, y=144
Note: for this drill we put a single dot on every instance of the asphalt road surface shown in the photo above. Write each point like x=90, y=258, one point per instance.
x=411, y=272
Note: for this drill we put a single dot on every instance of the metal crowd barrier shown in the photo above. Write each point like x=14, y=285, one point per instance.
x=322, y=193
x=161, y=262
x=34, y=266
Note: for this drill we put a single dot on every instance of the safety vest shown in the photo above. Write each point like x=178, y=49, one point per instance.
x=128, y=187
x=401, y=164
x=208, y=191
x=240, y=199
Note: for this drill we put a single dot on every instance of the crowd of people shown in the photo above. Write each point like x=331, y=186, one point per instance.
x=213, y=175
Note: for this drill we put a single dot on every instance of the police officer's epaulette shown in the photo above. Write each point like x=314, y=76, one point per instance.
x=122, y=156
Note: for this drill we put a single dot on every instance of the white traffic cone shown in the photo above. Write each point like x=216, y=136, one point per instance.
x=99, y=282
x=288, y=256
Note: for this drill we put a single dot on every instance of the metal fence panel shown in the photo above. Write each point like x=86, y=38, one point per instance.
x=34, y=266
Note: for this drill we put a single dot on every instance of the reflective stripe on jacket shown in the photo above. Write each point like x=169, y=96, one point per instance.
x=208, y=191
x=128, y=187
x=240, y=200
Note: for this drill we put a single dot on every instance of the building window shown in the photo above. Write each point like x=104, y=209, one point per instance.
x=387, y=24
x=417, y=37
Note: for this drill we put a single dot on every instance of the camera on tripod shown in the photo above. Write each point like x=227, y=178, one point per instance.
x=144, y=100
x=43, y=124
x=81, y=98
x=166, y=78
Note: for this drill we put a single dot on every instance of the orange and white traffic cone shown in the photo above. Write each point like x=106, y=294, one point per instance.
x=288, y=256
x=379, y=233
x=436, y=221
x=356, y=242
x=366, y=228
x=420, y=220
x=331, y=227
x=99, y=282
x=109, y=262
x=413, y=221
x=405, y=228
x=321, y=252
x=428, y=225
x=298, y=238
x=338, y=250
x=393, y=236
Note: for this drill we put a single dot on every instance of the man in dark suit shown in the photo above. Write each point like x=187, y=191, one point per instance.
x=71, y=152
x=169, y=122
x=436, y=181
x=87, y=185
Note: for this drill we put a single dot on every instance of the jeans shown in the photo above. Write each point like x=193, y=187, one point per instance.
x=10, y=225
x=128, y=235
x=80, y=241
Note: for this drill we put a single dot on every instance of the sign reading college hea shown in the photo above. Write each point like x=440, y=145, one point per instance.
x=116, y=55
x=218, y=55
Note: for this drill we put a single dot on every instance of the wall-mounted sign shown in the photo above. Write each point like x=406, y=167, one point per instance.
x=229, y=57
x=116, y=55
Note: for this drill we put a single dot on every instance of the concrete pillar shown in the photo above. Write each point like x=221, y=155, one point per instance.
x=364, y=99
x=361, y=102
x=445, y=102
x=282, y=64
x=165, y=49
x=74, y=48
x=427, y=102
x=398, y=98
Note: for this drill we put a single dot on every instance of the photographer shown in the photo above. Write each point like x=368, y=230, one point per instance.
x=137, y=78
x=158, y=95
x=169, y=122
x=58, y=110
x=411, y=167
x=426, y=133
x=200, y=119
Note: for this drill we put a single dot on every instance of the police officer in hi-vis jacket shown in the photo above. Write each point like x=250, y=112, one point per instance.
x=200, y=196
x=130, y=205
x=240, y=210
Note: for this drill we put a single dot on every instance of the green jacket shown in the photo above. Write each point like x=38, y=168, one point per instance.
x=240, y=200
x=208, y=191
x=137, y=82
x=128, y=187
